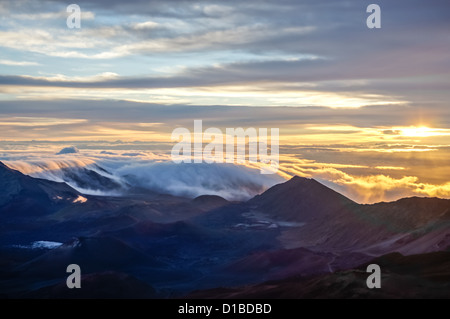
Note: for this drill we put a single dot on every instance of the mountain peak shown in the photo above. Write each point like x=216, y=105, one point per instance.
x=8, y=171
x=3, y=165
x=300, y=199
x=303, y=186
x=209, y=199
x=7, y=174
x=25, y=194
x=10, y=183
x=297, y=179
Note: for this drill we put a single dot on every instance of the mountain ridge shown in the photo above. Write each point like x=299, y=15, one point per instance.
x=297, y=228
x=331, y=221
x=20, y=190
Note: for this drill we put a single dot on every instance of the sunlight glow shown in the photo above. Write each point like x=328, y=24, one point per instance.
x=422, y=131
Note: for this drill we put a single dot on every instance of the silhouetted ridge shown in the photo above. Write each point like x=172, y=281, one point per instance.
x=20, y=193
x=300, y=199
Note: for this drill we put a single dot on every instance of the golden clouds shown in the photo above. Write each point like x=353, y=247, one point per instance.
x=367, y=188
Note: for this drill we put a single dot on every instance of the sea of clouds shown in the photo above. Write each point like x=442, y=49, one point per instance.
x=148, y=170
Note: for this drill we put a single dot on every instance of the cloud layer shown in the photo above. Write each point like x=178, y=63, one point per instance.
x=192, y=180
x=280, y=53
x=189, y=180
x=364, y=183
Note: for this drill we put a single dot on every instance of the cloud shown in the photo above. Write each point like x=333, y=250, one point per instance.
x=192, y=180
x=422, y=176
x=232, y=182
x=370, y=188
x=47, y=167
x=210, y=41
x=76, y=111
x=18, y=63
x=145, y=25
x=68, y=150
x=392, y=132
x=132, y=154
x=62, y=15
x=107, y=153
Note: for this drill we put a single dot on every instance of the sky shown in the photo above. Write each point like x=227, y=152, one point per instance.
x=365, y=111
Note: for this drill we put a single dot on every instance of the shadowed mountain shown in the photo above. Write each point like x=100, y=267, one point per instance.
x=89, y=179
x=22, y=195
x=104, y=285
x=419, y=225
x=324, y=231
x=299, y=229
x=92, y=254
x=416, y=276
x=209, y=202
x=332, y=222
x=279, y=264
x=301, y=200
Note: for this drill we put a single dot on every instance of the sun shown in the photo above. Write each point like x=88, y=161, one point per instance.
x=422, y=131
x=417, y=131
x=413, y=131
